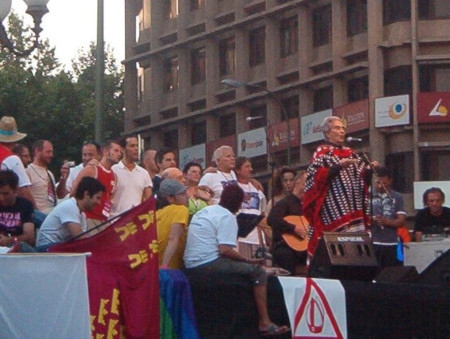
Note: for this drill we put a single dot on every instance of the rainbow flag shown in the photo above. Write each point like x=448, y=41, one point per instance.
x=177, y=317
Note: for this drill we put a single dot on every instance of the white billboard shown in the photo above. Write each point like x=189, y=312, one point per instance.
x=312, y=126
x=195, y=153
x=392, y=111
x=252, y=143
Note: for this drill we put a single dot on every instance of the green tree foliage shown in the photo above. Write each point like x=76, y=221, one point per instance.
x=51, y=103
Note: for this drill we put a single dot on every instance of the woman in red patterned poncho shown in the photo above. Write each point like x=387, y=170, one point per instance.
x=336, y=196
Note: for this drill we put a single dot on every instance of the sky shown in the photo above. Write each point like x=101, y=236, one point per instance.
x=72, y=24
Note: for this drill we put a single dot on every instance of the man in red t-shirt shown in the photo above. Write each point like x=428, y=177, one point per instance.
x=111, y=154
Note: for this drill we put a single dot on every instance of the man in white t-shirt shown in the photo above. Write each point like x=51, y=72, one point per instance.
x=134, y=184
x=225, y=160
x=210, y=247
x=43, y=185
x=67, y=220
x=90, y=151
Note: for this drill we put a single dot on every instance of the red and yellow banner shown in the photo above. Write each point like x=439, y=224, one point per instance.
x=123, y=275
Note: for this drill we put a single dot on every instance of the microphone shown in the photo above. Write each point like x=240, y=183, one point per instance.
x=351, y=139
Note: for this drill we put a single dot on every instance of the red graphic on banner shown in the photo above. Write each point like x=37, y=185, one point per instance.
x=123, y=275
x=316, y=310
x=315, y=316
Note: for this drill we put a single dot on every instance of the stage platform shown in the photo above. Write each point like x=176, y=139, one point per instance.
x=226, y=309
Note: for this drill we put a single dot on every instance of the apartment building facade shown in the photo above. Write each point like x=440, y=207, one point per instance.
x=383, y=66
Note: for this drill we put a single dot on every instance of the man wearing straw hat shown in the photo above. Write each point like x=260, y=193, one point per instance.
x=9, y=136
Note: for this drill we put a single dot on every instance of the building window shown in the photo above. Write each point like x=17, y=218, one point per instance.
x=257, y=46
x=402, y=181
x=321, y=18
x=292, y=107
x=196, y=4
x=198, y=133
x=356, y=17
x=435, y=165
x=170, y=9
x=141, y=88
x=323, y=99
x=226, y=56
x=170, y=74
x=396, y=10
x=170, y=139
x=434, y=9
x=288, y=37
x=358, y=89
x=198, y=66
x=227, y=125
x=398, y=81
x=434, y=78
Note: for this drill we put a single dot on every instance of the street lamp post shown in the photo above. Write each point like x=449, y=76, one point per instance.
x=272, y=162
x=240, y=84
x=37, y=9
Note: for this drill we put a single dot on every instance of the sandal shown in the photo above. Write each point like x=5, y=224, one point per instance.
x=274, y=330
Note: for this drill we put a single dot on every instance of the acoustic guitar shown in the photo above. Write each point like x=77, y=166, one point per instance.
x=293, y=240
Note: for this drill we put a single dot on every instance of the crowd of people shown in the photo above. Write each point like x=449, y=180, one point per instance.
x=198, y=210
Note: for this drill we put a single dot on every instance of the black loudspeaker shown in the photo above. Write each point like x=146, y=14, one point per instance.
x=344, y=256
x=438, y=272
x=398, y=274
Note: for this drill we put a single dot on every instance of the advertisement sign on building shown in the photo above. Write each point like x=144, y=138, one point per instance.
x=252, y=143
x=278, y=135
x=355, y=116
x=312, y=126
x=433, y=107
x=212, y=145
x=392, y=111
x=195, y=153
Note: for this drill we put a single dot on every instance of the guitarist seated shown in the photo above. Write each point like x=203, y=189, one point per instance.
x=290, y=240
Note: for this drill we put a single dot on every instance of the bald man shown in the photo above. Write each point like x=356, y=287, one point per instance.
x=149, y=162
x=173, y=173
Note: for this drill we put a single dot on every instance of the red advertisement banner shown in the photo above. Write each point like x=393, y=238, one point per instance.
x=433, y=107
x=355, y=116
x=278, y=135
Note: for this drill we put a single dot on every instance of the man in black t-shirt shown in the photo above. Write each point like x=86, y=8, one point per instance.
x=434, y=218
x=16, y=213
